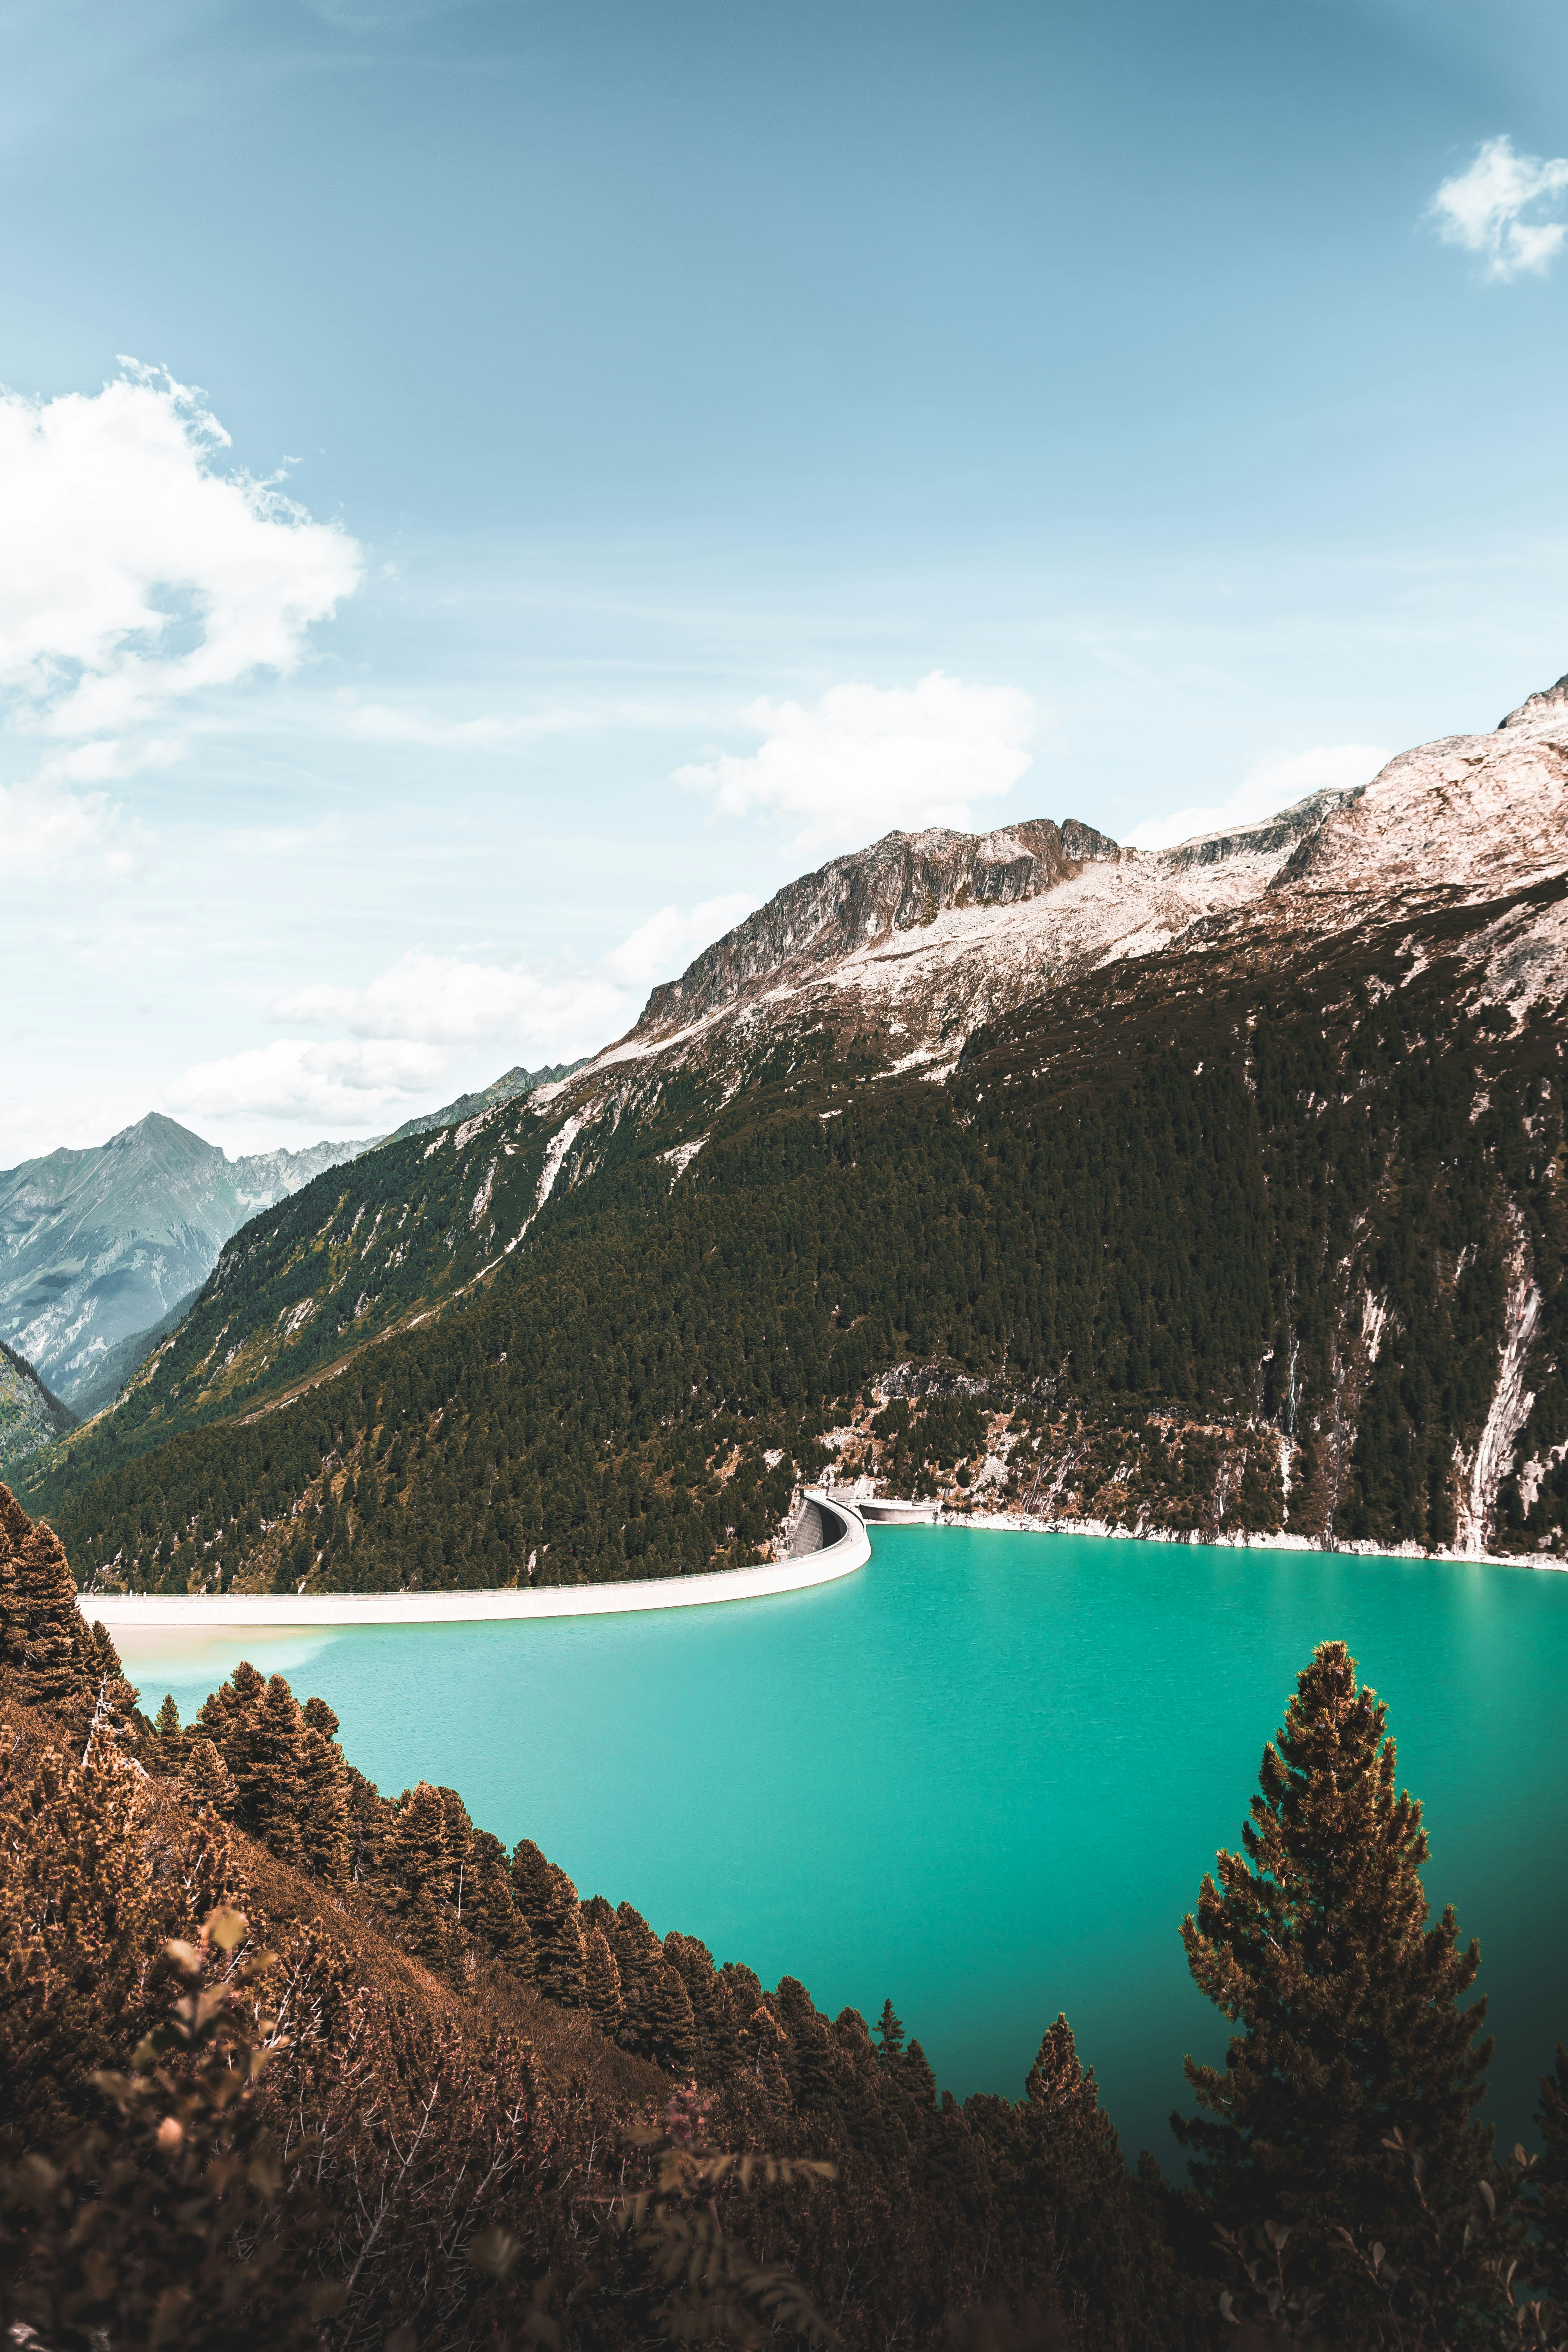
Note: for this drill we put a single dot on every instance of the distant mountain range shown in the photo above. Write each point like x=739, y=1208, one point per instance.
x=98, y=1246
x=1213, y=1191
x=102, y=1250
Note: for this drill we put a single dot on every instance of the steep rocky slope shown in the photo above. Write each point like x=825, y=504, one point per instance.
x=29, y=1416
x=1214, y=1190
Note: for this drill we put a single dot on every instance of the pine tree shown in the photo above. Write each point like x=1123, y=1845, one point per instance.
x=560, y=1958
x=1315, y=1944
x=889, y=2033
x=916, y=2079
x=421, y=1870
x=1061, y=2101
x=602, y=1984
x=496, y=1913
x=229, y=1716
x=103, y=1711
x=460, y=1851
x=1057, y=2087
x=816, y=2069
x=720, y=2053
x=325, y=1832
x=771, y=2075
x=271, y=1787
x=51, y=1658
x=208, y=1782
x=639, y=1956
x=532, y=1879
x=693, y=1958
x=165, y=1752
x=671, y=2029
x=15, y=1524
x=79, y=1915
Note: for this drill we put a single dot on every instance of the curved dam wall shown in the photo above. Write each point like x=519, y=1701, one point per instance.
x=828, y=1540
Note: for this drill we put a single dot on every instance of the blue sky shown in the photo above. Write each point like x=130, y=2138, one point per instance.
x=714, y=434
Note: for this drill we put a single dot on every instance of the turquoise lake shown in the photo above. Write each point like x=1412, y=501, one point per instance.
x=984, y=1775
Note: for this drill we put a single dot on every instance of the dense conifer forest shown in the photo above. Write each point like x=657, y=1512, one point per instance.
x=284, y=2061
x=1189, y=1248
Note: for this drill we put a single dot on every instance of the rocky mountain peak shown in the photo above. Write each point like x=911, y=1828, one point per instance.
x=98, y=1246
x=1552, y=703
x=912, y=943
x=901, y=883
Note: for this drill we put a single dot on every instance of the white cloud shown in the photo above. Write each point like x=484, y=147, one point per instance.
x=1480, y=209
x=1278, y=778
x=135, y=572
x=445, y=1000
x=398, y=1038
x=868, y=759
x=46, y=831
x=662, y=948
x=345, y=1087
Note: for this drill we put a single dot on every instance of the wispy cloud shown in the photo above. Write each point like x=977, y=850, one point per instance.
x=137, y=575
x=385, y=722
x=46, y=832
x=1277, y=781
x=1496, y=207
x=866, y=759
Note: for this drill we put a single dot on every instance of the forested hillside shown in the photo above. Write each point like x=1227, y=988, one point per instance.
x=1189, y=1254
x=29, y=1415
x=1218, y=1193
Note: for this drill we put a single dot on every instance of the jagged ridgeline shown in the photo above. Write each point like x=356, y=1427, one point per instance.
x=1210, y=1191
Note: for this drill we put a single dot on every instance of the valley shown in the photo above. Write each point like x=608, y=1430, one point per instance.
x=1209, y=1192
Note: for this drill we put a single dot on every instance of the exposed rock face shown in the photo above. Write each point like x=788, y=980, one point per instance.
x=1552, y=700
x=902, y=883
x=914, y=942
x=97, y=1246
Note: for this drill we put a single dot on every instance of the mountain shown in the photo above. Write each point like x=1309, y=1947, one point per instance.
x=97, y=1246
x=1212, y=1191
x=515, y=1081
x=122, y=1358
x=29, y=1415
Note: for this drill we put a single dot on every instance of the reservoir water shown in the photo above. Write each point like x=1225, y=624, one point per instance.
x=984, y=1775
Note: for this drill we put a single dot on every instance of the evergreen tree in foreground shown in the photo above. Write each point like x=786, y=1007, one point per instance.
x=208, y=1783
x=47, y=1650
x=496, y=1910
x=1315, y=1944
x=889, y=2033
x=602, y=1984
x=419, y=1888
x=165, y=1752
x=559, y=1958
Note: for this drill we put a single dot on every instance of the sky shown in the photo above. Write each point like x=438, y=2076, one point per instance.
x=489, y=492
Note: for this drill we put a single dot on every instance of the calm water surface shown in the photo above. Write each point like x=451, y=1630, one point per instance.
x=984, y=1775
